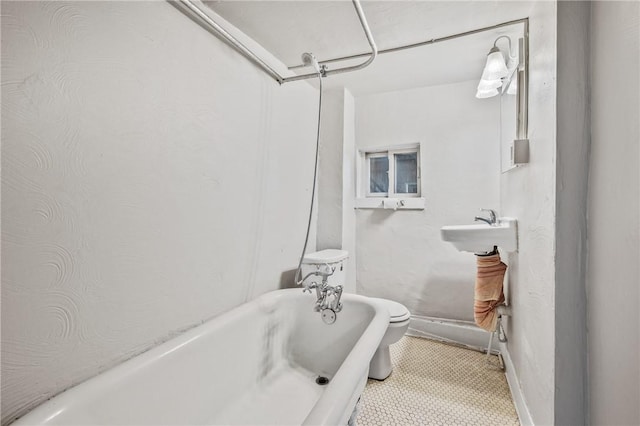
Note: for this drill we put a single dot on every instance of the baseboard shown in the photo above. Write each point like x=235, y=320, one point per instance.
x=514, y=386
x=463, y=333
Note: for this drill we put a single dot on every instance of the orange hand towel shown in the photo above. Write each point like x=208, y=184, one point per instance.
x=488, y=291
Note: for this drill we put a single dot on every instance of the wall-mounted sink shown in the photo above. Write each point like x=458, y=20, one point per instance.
x=481, y=237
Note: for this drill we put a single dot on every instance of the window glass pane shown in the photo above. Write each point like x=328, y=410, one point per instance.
x=407, y=173
x=378, y=174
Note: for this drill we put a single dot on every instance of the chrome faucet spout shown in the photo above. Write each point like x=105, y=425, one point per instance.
x=493, y=217
x=483, y=219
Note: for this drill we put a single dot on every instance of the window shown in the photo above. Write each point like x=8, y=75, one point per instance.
x=378, y=174
x=392, y=173
x=389, y=172
x=406, y=173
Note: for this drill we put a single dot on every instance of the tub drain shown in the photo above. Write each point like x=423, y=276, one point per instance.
x=321, y=380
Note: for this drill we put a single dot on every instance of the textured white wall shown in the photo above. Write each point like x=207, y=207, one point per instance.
x=349, y=188
x=613, y=274
x=571, y=213
x=336, y=188
x=528, y=193
x=147, y=185
x=400, y=255
x=330, y=170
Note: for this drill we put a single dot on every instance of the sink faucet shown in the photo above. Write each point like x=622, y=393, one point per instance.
x=493, y=219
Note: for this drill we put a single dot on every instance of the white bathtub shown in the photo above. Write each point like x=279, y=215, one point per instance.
x=254, y=365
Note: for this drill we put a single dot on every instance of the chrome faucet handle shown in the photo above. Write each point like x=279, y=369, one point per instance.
x=321, y=300
x=309, y=287
x=337, y=306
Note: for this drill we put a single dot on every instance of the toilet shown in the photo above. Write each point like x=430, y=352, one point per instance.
x=399, y=316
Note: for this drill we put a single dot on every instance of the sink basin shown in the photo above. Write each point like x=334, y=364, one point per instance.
x=481, y=237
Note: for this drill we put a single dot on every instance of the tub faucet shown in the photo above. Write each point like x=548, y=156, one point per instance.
x=493, y=219
x=325, y=273
x=330, y=299
x=327, y=296
x=320, y=289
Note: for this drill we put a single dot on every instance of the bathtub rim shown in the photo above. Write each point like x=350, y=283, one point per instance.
x=326, y=411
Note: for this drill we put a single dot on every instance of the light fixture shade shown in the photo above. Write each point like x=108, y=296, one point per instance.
x=485, y=85
x=513, y=86
x=495, y=68
x=512, y=63
x=482, y=94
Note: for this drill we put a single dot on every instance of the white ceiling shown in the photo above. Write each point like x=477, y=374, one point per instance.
x=331, y=29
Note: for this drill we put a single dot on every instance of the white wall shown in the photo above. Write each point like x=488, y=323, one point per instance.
x=336, y=188
x=613, y=274
x=528, y=193
x=349, y=189
x=330, y=170
x=573, y=129
x=147, y=185
x=400, y=254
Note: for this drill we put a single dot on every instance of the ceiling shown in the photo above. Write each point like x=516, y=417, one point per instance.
x=331, y=29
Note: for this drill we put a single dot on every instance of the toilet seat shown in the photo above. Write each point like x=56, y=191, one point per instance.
x=397, y=311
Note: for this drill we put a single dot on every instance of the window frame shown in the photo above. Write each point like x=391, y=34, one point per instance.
x=390, y=152
x=392, y=172
x=367, y=182
x=367, y=199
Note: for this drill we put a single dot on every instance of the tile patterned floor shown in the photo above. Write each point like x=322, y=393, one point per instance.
x=438, y=384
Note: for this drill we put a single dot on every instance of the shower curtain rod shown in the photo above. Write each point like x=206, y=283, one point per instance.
x=524, y=21
x=247, y=53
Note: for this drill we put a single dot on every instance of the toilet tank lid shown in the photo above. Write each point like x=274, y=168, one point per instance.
x=325, y=256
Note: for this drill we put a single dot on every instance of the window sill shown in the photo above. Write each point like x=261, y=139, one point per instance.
x=409, y=203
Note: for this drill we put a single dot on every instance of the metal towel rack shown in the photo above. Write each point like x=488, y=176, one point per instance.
x=247, y=53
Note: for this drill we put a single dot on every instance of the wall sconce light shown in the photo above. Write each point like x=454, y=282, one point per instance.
x=496, y=71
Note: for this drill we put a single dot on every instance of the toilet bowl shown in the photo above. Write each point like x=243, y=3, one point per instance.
x=380, y=366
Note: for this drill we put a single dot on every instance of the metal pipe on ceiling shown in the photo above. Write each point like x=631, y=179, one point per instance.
x=247, y=53
x=230, y=39
x=524, y=21
x=372, y=55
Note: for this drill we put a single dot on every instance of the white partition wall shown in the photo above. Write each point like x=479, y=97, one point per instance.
x=613, y=274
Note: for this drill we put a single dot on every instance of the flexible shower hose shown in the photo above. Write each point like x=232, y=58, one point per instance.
x=313, y=189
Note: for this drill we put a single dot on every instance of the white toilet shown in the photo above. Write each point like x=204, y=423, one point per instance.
x=380, y=366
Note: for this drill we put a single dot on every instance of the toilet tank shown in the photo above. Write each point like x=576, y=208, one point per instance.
x=335, y=258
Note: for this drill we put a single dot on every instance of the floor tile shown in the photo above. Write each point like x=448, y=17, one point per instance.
x=434, y=383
